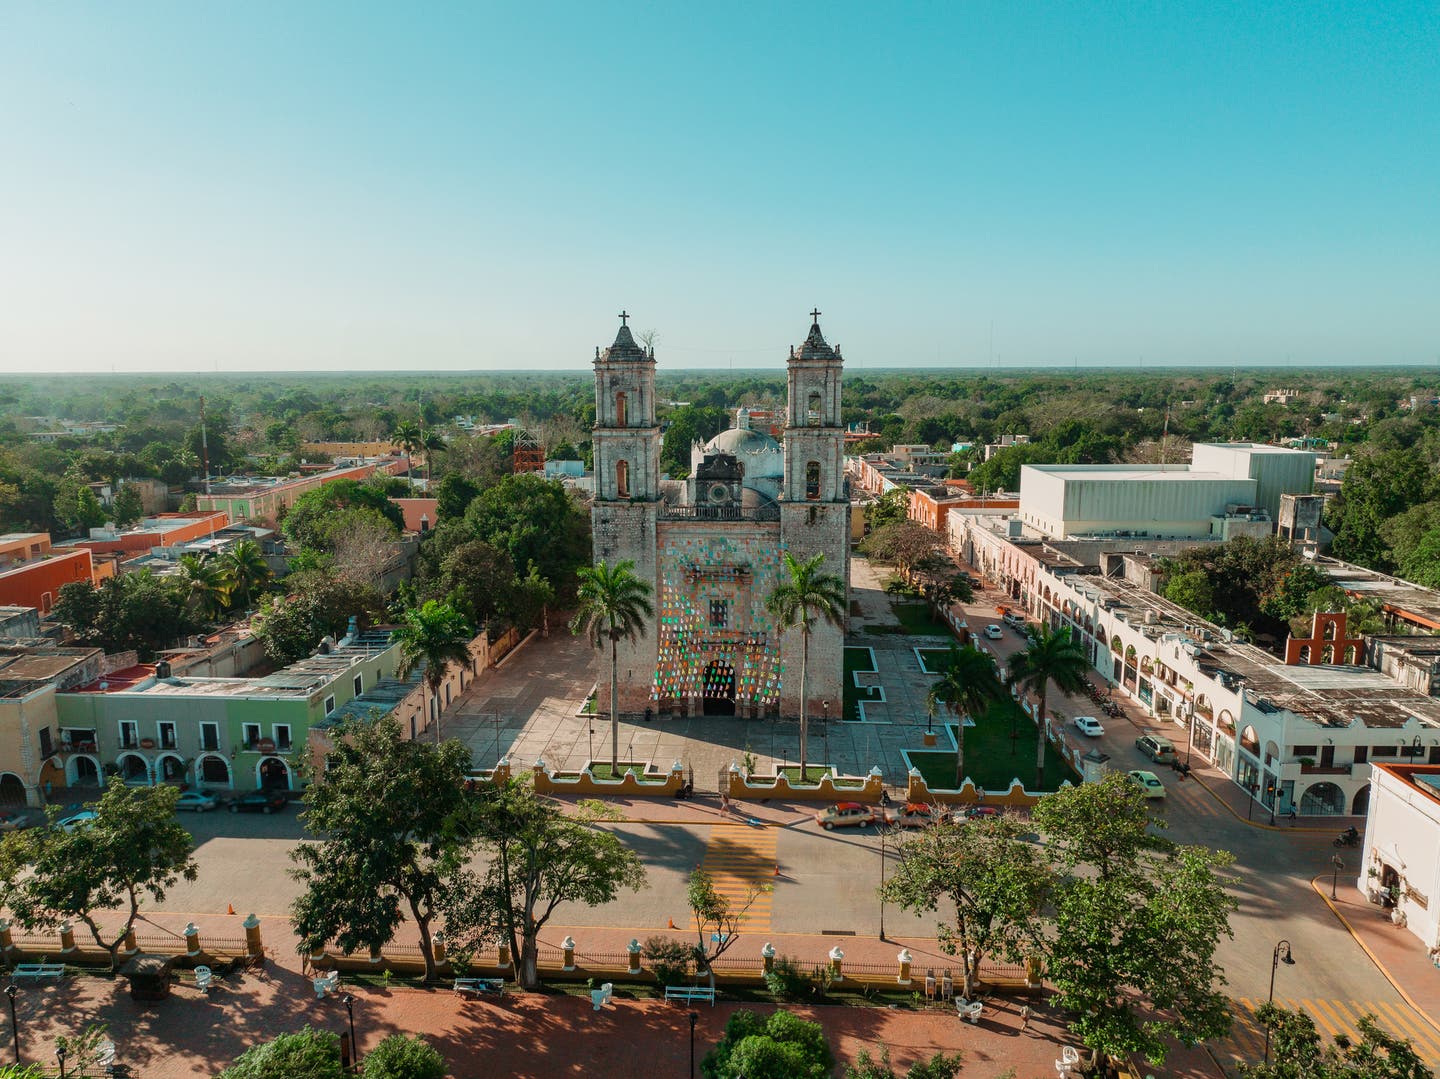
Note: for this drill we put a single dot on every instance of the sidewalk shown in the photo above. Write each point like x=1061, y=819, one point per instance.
x=1397, y=953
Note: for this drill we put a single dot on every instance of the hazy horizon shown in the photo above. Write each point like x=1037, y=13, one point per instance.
x=274, y=188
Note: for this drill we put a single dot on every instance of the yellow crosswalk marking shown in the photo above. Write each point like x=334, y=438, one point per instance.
x=1332, y=1018
x=739, y=860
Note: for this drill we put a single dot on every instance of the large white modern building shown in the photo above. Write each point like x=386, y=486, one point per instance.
x=1400, y=867
x=1228, y=489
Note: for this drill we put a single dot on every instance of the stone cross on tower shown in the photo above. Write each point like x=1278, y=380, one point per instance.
x=815, y=314
x=624, y=317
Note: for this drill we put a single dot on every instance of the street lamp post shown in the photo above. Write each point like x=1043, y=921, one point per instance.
x=1280, y=955
x=10, y=992
x=882, y=879
x=1270, y=794
x=694, y=1018
x=349, y=1002
x=1335, y=866
x=60, y=1057
x=1189, y=735
x=1253, y=790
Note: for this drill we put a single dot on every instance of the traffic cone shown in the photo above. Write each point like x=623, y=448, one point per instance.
x=672, y=924
x=231, y=909
x=777, y=869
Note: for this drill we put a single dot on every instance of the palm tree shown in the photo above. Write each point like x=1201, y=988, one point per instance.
x=432, y=444
x=205, y=584
x=612, y=605
x=246, y=568
x=1051, y=657
x=407, y=436
x=806, y=596
x=433, y=636
x=968, y=686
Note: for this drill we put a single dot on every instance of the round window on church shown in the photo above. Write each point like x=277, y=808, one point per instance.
x=719, y=493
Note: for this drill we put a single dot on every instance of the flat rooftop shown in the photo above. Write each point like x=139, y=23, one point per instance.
x=1172, y=473
x=1401, y=596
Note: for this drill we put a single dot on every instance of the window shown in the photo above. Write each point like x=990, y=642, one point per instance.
x=1382, y=751
x=47, y=744
x=329, y=705
x=622, y=411
x=282, y=737
x=812, y=480
x=166, y=730
x=1307, y=751
x=622, y=479
x=719, y=614
x=359, y=684
x=250, y=734
x=210, y=736
x=812, y=409
x=129, y=734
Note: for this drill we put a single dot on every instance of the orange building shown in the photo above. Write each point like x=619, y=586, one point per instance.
x=17, y=547
x=420, y=513
x=37, y=584
x=163, y=530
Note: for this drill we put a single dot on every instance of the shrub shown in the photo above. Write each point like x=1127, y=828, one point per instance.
x=402, y=1057
x=312, y=1053
x=783, y=1046
x=786, y=981
x=669, y=958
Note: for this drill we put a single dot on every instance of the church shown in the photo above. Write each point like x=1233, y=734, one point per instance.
x=710, y=547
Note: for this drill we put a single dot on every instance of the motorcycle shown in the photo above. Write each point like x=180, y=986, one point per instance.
x=1348, y=839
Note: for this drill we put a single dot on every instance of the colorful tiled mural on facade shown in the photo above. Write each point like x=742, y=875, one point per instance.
x=716, y=638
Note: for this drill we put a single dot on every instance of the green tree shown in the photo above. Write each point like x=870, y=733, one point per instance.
x=453, y=495
x=77, y=508
x=613, y=605
x=1159, y=911
x=477, y=579
x=1378, y=487
x=907, y=544
x=1299, y=1053
x=314, y=1054
x=247, y=570
x=133, y=849
x=890, y=508
x=394, y=815
x=686, y=425
x=938, y=1066
x=533, y=520
x=206, y=585
x=717, y=919
x=538, y=858
x=806, y=596
x=433, y=637
x=126, y=507
x=780, y=1046
x=407, y=436
x=994, y=880
x=1052, y=657
x=310, y=523
x=969, y=685
x=1191, y=590
x=400, y=1056
x=318, y=604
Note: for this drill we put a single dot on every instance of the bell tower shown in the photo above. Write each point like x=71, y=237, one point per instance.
x=625, y=511
x=815, y=508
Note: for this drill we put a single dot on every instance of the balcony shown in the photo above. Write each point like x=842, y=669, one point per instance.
x=1325, y=770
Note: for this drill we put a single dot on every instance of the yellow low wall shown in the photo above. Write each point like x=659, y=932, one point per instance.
x=653, y=784
x=1017, y=797
x=826, y=790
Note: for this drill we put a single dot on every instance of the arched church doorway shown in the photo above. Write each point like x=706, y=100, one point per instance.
x=719, y=689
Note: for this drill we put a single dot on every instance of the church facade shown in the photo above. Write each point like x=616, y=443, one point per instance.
x=711, y=547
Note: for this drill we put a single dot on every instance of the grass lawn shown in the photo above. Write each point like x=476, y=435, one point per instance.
x=918, y=621
x=602, y=770
x=792, y=773
x=856, y=659
x=936, y=660
x=992, y=759
x=589, y=705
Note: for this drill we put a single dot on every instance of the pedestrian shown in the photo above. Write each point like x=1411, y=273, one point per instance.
x=1292, y=816
x=724, y=802
x=1025, y=1014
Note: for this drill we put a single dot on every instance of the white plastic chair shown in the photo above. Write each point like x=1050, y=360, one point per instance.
x=203, y=977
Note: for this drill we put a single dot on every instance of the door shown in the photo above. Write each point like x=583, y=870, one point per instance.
x=1327, y=756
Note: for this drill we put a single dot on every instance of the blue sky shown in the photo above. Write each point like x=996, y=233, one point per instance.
x=327, y=186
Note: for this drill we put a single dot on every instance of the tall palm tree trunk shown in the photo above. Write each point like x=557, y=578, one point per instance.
x=614, y=707
x=959, y=753
x=804, y=698
x=1040, y=741
x=435, y=706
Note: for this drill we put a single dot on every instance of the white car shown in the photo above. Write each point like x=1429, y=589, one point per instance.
x=994, y=632
x=1149, y=783
x=1088, y=725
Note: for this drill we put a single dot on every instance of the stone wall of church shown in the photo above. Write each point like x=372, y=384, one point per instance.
x=808, y=529
x=627, y=530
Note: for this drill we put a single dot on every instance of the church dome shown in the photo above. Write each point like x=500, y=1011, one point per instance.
x=742, y=442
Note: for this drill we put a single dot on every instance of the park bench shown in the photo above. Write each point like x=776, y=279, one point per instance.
x=690, y=992
x=327, y=983
x=601, y=997
x=476, y=986
x=39, y=970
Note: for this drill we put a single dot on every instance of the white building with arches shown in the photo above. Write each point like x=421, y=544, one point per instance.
x=1300, y=735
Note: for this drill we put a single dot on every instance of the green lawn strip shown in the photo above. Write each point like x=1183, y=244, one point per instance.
x=602, y=770
x=936, y=661
x=917, y=619
x=792, y=774
x=992, y=757
x=856, y=659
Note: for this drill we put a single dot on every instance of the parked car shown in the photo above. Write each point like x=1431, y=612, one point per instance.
x=13, y=822
x=259, y=802
x=844, y=815
x=1014, y=621
x=980, y=812
x=994, y=632
x=1088, y=725
x=1150, y=785
x=83, y=819
x=1157, y=747
x=199, y=801
x=918, y=815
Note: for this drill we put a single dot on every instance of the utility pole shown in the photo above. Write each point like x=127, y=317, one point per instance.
x=204, y=446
